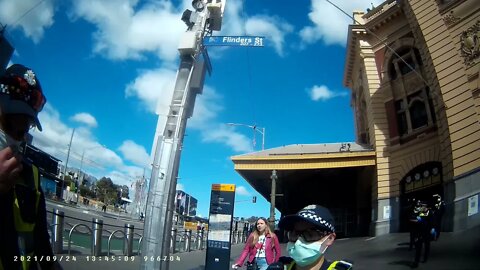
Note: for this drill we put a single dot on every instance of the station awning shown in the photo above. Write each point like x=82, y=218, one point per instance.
x=305, y=170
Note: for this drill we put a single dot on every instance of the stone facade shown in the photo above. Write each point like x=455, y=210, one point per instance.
x=413, y=69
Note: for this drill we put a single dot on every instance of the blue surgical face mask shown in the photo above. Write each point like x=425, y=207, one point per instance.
x=305, y=253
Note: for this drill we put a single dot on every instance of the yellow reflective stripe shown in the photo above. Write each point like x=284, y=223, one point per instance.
x=36, y=179
x=290, y=266
x=343, y=263
x=332, y=266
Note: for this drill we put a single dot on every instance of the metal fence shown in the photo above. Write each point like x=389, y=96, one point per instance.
x=182, y=240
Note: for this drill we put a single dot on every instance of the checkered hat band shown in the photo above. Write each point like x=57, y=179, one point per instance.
x=318, y=219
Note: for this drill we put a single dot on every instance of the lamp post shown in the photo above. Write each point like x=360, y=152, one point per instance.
x=255, y=129
x=66, y=164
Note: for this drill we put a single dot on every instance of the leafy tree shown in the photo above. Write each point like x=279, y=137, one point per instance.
x=252, y=219
x=86, y=192
x=105, y=188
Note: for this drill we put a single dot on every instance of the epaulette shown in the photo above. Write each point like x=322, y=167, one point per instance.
x=340, y=265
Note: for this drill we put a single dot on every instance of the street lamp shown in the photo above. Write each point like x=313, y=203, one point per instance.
x=255, y=128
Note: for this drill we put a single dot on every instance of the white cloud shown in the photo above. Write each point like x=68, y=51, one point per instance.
x=323, y=93
x=274, y=29
x=135, y=153
x=97, y=159
x=207, y=108
x=85, y=118
x=241, y=190
x=329, y=24
x=32, y=16
x=154, y=88
x=127, y=30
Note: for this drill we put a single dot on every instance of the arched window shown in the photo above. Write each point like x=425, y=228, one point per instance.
x=410, y=112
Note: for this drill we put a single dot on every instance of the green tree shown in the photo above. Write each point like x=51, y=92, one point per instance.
x=105, y=188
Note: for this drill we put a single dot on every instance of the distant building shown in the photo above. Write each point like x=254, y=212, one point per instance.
x=185, y=204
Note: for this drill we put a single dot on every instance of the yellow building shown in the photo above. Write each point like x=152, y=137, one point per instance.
x=413, y=69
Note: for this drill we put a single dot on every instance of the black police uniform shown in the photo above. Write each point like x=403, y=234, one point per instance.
x=290, y=264
x=10, y=250
x=421, y=231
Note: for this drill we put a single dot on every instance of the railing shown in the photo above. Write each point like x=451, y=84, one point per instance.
x=182, y=240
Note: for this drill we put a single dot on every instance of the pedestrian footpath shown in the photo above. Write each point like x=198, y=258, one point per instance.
x=459, y=251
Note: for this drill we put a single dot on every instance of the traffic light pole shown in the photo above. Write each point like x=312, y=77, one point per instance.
x=169, y=136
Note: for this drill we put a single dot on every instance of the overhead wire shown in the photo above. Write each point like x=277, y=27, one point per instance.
x=381, y=40
x=26, y=12
x=249, y=75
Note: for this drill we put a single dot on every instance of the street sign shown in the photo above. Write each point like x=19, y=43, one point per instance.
x=220, y=227
x=248, y=41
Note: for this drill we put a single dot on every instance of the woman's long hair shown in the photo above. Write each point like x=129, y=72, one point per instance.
x=256, y=233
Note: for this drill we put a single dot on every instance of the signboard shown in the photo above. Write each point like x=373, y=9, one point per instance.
x=185, y=204
x=248, y=41
x=386, y=211
x=473, y=205
x=220, y=227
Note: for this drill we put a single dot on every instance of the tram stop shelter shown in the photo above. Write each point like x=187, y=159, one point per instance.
x=339, y=176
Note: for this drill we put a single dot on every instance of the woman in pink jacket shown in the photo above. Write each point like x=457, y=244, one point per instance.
x=262, y=246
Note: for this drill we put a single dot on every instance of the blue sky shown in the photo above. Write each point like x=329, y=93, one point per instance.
x=108, y=68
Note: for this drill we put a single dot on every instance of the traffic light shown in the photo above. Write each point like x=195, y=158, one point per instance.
x=254, y=199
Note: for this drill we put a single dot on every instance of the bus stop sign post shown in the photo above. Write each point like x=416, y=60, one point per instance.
x=220, y=220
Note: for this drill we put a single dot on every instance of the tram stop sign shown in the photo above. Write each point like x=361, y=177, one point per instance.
x=220, y=227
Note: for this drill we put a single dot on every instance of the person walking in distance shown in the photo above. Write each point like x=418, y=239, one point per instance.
x=23, y=224
x=261, y=249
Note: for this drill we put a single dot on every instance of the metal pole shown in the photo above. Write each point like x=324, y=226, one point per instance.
x=57, y=234
x=66, y=163
x=200, y=240
x=128, y=242
x=164, y=172
x=188, y=240
x=168, y=141
x=272, y=199
x=97, y=227
x=173, y=241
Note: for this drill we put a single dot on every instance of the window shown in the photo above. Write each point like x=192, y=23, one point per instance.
x=410, y=115
x=401, y=117
x=418, y=114
x=409, y=59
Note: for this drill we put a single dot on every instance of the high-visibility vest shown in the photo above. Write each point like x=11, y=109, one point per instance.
x=25, y=229
x=336, y=265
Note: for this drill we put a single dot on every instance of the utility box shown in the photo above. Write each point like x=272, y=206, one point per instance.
x=216, y=9
x=188, y=43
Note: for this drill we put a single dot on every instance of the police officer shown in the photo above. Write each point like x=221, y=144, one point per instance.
x=310, y=232
x=411, y=223
x=422, y=226
x=437, y=209
x=23, y=225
